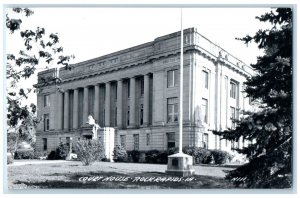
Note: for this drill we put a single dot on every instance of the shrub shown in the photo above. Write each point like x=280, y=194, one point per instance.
x=62, y=151
x=120, y=154
x=162, y=157
x=39, y=154
x=159, y=157
x=24, y=154
x=105, y=160
x=88, y=151
x=134, y=155
x=200, y=155
x=221, y=157
x=151, y=156
x=52, y=155
x=172, y=151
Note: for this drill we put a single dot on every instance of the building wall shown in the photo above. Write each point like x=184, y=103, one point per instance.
x=153, y=59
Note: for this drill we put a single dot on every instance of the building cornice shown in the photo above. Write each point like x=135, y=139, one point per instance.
x=149, y=53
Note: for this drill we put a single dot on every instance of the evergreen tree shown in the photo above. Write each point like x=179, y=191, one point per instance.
x=269, y=129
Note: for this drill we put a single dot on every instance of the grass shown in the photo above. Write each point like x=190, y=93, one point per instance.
x=67, y=176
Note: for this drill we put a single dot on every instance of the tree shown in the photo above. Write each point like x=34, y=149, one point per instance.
x=38, y=49
x=269, y=129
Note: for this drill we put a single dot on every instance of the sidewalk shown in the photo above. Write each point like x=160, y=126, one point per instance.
x=28, y=162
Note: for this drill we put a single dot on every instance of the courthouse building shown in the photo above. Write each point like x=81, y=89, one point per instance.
x=136, y=91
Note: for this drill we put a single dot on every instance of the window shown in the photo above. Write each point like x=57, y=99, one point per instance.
x=233, y=90
x=115, y=120
x=205, y=79
x=142, y=87
x=232, y=116
x=59, y=139
x=116, y=92
x=204, y=110
x=148, y=139
x=128, y=115
x=123, y=141
x=104, y=117
x=172, y=78
x=46, y=101
x=46, y=122
x=171, y=140
x=136, y=142
x=128, y=89
x=205, y=140
x=186, y=39
x=172, y=109
x=44, y=144
x=142, y=114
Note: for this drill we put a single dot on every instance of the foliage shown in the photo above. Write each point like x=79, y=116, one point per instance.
x=38, y=49
x=157, y=157
x=151, y=156
x=52, y=155
x=23, y=132
x=12, y=139
x=24, y=154
x=269, y=129
x=10, y=158
x=88, y=151
x=120, y=154
x=134, y=155
x=221, y=157
x=62, y=151
x=200, y=155
x=39, y=154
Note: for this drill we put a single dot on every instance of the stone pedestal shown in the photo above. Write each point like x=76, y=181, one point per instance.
x=107, y=138
x=180, y=165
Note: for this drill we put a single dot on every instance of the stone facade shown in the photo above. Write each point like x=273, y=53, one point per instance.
x=136, y=91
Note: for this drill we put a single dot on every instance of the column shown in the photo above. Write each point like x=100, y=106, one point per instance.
x=146, y=100
x=66, y=110
x=85, y=104
x=60, y=110
x=107, y=104
x=75, y=109
x=132, y=103
x=96, y=104
x=120, y=103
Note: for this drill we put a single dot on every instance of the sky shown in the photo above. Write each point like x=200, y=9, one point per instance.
x=95, y=31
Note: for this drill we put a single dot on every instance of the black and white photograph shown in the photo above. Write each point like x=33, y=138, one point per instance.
x=149, y=97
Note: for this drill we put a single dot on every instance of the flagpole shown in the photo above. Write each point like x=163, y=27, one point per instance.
x=181, y=87
x=180, y=164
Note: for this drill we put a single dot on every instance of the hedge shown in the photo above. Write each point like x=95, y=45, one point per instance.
x=24, y=154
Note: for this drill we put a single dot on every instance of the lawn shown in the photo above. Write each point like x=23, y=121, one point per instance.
x=105, y=175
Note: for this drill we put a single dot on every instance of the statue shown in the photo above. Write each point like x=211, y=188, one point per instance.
x=91, y=121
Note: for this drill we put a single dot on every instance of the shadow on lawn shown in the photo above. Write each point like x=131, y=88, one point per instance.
x=72, y=182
